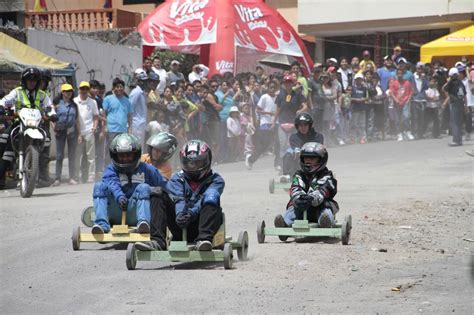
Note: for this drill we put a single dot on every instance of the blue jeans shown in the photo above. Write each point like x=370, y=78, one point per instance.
x=456, y=119
x=313, y=215
x=107, y=211
x=402, y=117
x=63, y=138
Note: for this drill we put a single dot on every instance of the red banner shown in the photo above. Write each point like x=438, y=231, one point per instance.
x=221, y=25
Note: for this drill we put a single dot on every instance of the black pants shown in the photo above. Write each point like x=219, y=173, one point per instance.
x=163, y=215
x=318, y=119
x=418, y=120
x=265, y=138
x=432, y=114
x=290, y=165
x=7, y=156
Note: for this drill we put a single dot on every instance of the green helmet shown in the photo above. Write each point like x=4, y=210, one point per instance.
x=165, y=142
x=125, y=143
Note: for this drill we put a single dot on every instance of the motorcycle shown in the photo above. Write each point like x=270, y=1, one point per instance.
x=28, y=140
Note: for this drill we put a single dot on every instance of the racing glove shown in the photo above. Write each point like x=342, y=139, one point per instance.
x=318, y=198
x=123, y=203
x=303, y=202
x=184, y=218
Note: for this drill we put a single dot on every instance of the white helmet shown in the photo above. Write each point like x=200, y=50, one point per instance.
x=453, y=71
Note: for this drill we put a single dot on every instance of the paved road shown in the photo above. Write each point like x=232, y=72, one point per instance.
x=413, y=200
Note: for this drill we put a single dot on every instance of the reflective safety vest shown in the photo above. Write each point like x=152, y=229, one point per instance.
x=22, y=99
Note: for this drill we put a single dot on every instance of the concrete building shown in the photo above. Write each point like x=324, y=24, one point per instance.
x=347, y=27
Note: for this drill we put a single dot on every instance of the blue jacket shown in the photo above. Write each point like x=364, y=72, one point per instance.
x=122, y=185
x=209, y=192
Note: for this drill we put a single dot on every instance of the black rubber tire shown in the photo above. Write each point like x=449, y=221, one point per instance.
x=228, y=256
x=30, y=174
x=346, y=230
x=76, y=238
x=131, y=256
x=261, y=232
x=243, y=250
x=283, y=238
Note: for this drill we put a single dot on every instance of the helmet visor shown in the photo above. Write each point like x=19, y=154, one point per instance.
x=194, y=166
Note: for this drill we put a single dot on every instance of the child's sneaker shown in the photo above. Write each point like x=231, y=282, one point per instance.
x=400, y=137
x=149, y=246
x=204, y=246
x=325, y=220
x=97, y=229
x=410, y=136
x=363, y=140
x=279, y=221
x=143, y=227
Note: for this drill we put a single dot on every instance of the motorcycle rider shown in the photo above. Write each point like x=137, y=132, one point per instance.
x=161, y=148
x=27, y=95
x=312, y=189
x=126, y=186
x=304, y=133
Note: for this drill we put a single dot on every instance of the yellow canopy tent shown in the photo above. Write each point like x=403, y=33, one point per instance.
x=450, y=48
x=14, y=51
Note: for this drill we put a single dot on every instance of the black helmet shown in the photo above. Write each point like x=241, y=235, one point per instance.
x=125, y=143
x=304, y=118
x=46, y=75
x=165, y=142
x=30, y=74
x=313, y=149
x=196, y=159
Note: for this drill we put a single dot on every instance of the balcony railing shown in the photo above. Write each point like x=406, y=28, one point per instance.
x=84, y=20
x=72, y=20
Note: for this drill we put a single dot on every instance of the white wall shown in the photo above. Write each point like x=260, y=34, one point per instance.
x=103, y=61
x=337, y=11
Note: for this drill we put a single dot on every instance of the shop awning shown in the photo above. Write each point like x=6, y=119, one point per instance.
x=15, y=56
x=457, y=44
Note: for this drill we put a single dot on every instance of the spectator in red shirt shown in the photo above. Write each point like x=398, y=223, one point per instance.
x=401, y=92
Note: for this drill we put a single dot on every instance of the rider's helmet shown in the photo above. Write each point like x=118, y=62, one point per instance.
x=165, y=142
x=31, y=74
x=313, y=149
x=125, y=152
x=196, y=159
x=303, y=118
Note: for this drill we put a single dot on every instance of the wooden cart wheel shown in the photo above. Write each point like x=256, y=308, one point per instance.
x=261, y=232
x=86, y=216
x=243, y=250
x=228, y=256
x=346, y=230
x=131, y=256
x=76, y=238
x=271, y=186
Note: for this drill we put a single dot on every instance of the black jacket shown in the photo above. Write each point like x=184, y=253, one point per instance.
x=297, y=140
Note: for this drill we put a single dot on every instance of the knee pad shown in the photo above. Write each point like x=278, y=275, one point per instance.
x=211, y=197
x=100, y=190
x=328, y=212
x=143, y=191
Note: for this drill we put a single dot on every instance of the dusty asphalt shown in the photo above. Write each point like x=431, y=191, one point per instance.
x=412, y=199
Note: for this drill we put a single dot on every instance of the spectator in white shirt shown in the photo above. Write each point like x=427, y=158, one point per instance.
x=161, y=73
x=88, y=120
x=199, y=71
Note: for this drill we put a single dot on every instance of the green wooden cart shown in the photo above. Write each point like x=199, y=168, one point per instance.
x=272, y=185
x=181, y=251
x=304, y=228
